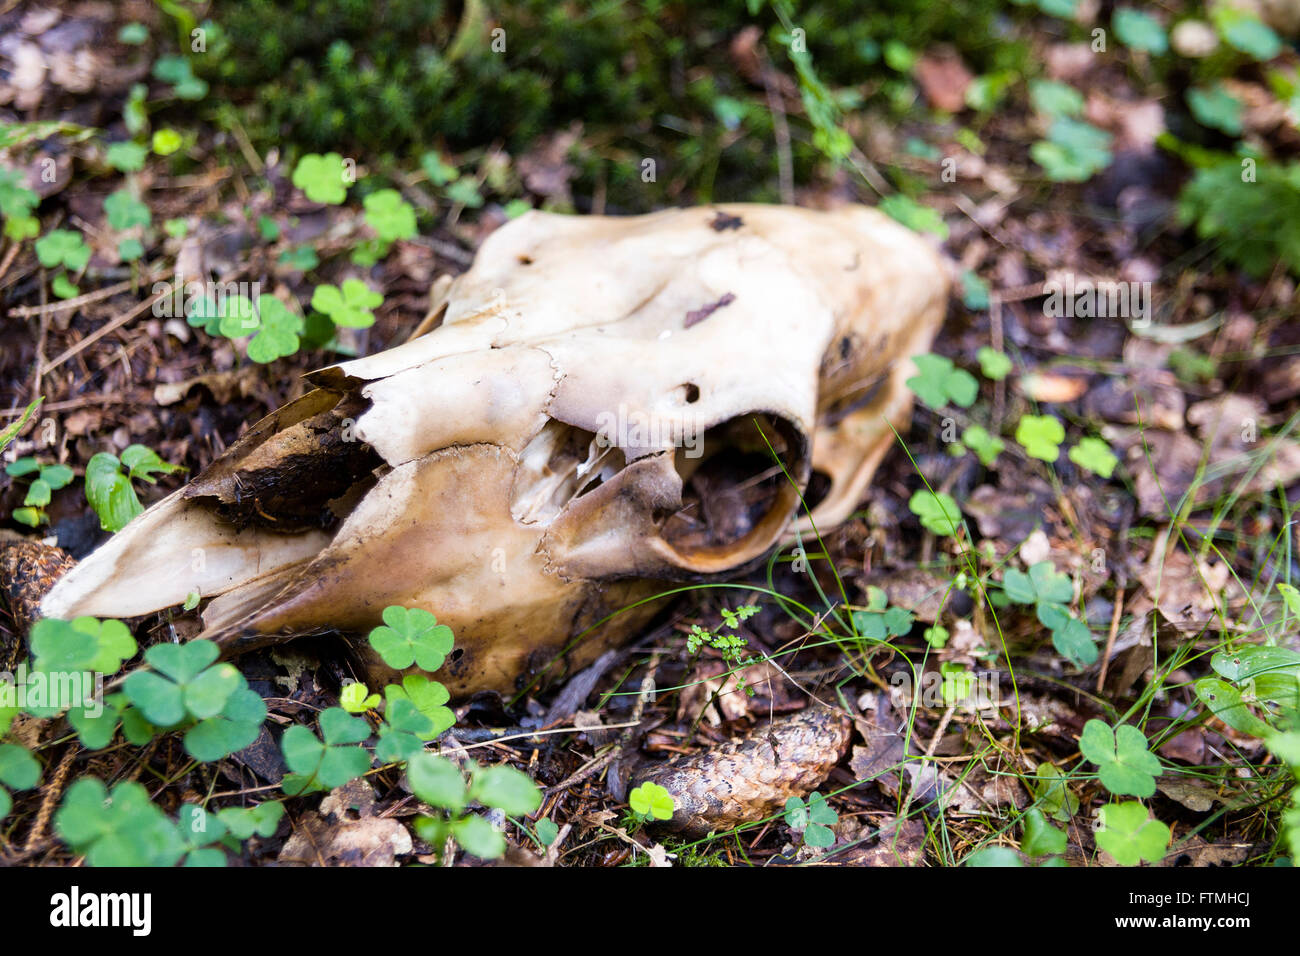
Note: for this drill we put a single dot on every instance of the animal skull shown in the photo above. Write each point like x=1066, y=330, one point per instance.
x=597, y=410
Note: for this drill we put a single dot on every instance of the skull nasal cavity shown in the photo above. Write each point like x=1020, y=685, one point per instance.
x=561, y=463
x=735, y=496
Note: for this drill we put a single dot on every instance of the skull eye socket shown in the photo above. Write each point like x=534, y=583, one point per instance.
x=736, y=498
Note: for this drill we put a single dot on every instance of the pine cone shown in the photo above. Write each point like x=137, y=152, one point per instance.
x=751, y=777
x=28, y=569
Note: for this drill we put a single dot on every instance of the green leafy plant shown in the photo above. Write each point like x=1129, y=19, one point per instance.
x=63, y=247
x=322, y=178
x=1129, y=834
x=275, y=328
x=356, y=698
x=19, y=770
x=1049, y=591
x=1053, y=794
x=1094, y=455
x=83, y=644
x=177, y=71
x=1251, y=207
x=328, y=761
x=986, y=447
x=411, y=636
x=939, y=382
x=391, y=216
x=1073, y=151
x=1055, y=98
x=212, y=701
x=1139, y=31
x=1123, y=761
x=108, y=485
x=10, y=431
x=937, y=510
x=125, y=211
x=813, y=820
x=120, y=827
x=1245, y=32
x=1040, y=436
x=126, y=156
x=349, y=306
x=994, y=364
x=651, y=801
x=877, y=621
x=1041, y=839
x=441, y=784
x=244, y=822
x=1216, y=108
x=732, y=646
x=44, y=480
x=914, y=215
x=17, y=204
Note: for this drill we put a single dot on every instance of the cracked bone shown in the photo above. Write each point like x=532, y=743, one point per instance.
x=598, y=408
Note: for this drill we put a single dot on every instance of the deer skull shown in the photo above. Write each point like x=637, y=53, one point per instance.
x=604, y=404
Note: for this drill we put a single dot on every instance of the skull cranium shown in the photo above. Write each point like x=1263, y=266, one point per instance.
x=604, y=404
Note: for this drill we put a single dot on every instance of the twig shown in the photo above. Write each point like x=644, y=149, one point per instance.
x=1110, y=641
x=104, y=330
x=24, y=311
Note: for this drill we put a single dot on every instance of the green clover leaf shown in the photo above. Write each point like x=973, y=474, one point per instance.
x=16, y=200
x=428, y=697
x=974, y=291
x=356, y=698
x=986, y=447
x=411, y=636
x=117, y=828
x=331, y=763
x=1139, y=31
x=322, y=178
x=349, y=307
x=403, y=732
x=126, y=157
x=184, y=684
x=63, y=247
x=914, y=215
x=124, y=211
x=1071, y=637
x=1130, y=835
x=479, y=837
x=938, y=382
x=999, y=856
x=439, y=172
x=166, y=141
x=243, y=822
x=1246, y=32
x=1123, y=761
x=1041, y=838
x=1042, y=583
x=1040, y=436
x=1052, y=792
x=299, y=259
x=278, y=331
x=1054, y=98
x=19, y=770
x=1216, y=108
x=1093, y=454
x=1073, y=150
x=994, y=364
x=507, y=789
x=83, y=644
x=650, y=801
x=177, y=71
x=937, y=510
x=437, y=781
x=198, y=830
x=391, y=216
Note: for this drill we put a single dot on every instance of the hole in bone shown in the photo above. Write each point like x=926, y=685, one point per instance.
x=734, y=484
x=819, y=486
x=307, y=475
x=691, y=393
x=562, y=462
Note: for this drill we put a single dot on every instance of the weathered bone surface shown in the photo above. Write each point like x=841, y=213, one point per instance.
x=590, y=417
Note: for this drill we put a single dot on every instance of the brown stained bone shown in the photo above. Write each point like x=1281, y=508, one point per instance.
x=527, y=468
x=751, y=777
